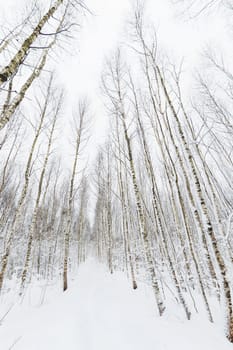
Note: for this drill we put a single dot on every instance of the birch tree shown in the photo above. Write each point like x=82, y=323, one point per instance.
x=81, y=137
x=25, y=271
x=187, y=161
x=22, y=197
x=117, y=99
x=43, y=38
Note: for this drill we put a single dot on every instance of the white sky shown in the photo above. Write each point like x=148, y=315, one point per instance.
x=105, y=29
x=102, y=32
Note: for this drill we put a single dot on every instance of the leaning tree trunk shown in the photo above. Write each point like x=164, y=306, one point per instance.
x=80, y=128
x=142, y=224
x=25, y=271
x=12, y=67
x=18, y=212
x=209, y=226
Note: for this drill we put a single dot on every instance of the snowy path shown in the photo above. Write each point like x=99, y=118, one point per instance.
x=101, y=312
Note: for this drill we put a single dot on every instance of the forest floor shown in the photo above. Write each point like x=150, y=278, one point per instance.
x=101, y=312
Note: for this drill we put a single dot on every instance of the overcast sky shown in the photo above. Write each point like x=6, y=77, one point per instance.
x=103, y=31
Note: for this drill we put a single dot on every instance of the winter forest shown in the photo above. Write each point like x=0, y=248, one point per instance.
x=116, y=207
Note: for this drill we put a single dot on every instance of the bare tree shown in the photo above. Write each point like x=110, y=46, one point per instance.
x=116, y=95
x=197, y=7
x=25, y=188
x=81, y=137
x=42, y=39
x=25, y=271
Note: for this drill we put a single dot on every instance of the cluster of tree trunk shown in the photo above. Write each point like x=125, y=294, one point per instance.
x=37, y=220
x=170, y=180
x=161, y=184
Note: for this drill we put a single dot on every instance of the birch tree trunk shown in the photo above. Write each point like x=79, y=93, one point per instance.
x=21, y=201
x=25, y=271
x=80, y=136
x=12, y=67
x=118, y=104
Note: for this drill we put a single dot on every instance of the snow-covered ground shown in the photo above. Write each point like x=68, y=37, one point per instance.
x=101, y=312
